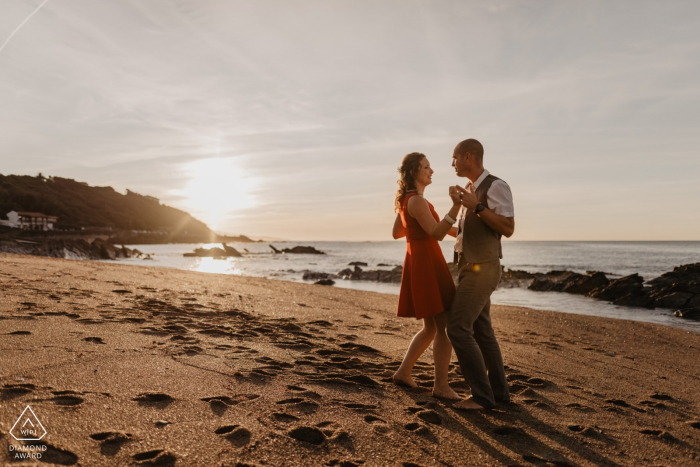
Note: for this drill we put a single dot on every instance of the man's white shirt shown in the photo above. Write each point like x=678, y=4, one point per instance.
x=500, y=201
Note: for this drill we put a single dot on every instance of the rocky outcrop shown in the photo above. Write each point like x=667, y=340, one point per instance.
x=69, y=249
x=678, y=289
x=357, y=274
x=299, y=250
x=214, y=252
x=569, y=282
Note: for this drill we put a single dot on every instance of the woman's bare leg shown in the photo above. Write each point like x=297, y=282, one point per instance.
x=442, y=353
x=419, y=343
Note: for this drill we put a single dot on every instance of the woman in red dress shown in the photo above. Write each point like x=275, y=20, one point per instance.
x=427, y=287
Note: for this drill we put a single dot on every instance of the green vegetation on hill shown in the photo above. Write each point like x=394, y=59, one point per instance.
x=79, y=205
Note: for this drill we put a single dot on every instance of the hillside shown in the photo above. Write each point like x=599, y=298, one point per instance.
x=79, y=206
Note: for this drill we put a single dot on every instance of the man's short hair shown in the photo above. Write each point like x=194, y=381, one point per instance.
x=473, y=147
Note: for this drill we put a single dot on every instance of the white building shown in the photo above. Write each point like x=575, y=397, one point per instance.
x=30, y=220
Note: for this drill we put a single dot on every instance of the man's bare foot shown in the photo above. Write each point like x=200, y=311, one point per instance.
x=446, y=393
x=468, y=404
x=404, y=381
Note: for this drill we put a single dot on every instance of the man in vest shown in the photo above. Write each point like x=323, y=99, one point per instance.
x=487, y=214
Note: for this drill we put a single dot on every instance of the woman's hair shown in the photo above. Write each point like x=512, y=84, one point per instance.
x=407, y=172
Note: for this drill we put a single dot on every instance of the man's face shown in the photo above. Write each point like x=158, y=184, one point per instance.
x=461, y=163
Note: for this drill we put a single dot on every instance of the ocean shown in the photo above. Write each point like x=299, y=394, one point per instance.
x=649, y=259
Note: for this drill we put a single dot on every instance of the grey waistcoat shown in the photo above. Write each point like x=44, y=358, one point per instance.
x=480, y=243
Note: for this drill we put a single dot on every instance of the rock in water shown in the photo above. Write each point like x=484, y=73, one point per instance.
x=314, y=276
x=632, y=284
x=215, y=252
x=299, y=250
x=325, y=282
x=689, y=313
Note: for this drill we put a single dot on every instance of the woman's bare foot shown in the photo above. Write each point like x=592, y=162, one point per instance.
x=468, y=404
x=446, y=393
x=403, y=380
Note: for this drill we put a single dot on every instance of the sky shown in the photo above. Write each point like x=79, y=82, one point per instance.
x=288, y=120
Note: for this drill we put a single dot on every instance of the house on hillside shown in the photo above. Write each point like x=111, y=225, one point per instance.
x=30, y=220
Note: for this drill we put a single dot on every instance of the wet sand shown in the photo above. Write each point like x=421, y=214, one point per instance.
x=130, y=365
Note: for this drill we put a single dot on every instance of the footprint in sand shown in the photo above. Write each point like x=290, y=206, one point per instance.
x=661, y=397
x=154, y=399
x=618, y=402
x=657, y=405
x=219, y=404
x=665, y=435
x=577, y=406
x=19, y=333
x=308, y=434
x=94, y=340
x=155, y=458
x=285, y=417
x=13, y=391
x=111, y=441
x=430, y=416
x=538, y=382
x=359, y=407
x=694, y=423
x=536, y=403
x=300, y=404
x=517, y=377
x=238, y=436
x=67, y=398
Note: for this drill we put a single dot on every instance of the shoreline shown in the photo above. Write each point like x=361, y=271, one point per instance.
x=155, y=366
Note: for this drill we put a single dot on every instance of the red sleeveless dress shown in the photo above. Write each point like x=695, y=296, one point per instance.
x=427, y=287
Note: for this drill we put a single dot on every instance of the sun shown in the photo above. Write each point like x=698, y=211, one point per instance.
x=218, y=188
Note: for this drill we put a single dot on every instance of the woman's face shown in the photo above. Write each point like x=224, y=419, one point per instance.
x=424, y=176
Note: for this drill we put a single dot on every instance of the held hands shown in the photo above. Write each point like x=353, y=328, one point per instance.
x=454, y=195
x=468, y=200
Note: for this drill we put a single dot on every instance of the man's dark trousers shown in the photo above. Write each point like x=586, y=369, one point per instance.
x=470, y=331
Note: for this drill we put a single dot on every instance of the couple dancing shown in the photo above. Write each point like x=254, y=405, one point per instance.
x=454, y=317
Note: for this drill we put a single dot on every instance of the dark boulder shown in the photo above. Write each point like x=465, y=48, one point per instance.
x=671, y=300
x=214, y=252
x=375, y=275
x=357, y=263
x=567, y=281
x=689, y=313
x=694, y=302
x=299, y=250
x=509, y=278
x=632, y=284
x=325, y=282
x=581, y=284
x=315, y=276
x=684, y=274
x=553, y=281
x=106, y=250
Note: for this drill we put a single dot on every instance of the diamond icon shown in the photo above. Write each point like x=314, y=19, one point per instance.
x=28, y=427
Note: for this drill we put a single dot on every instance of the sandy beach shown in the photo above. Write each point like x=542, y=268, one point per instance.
x=130, y=365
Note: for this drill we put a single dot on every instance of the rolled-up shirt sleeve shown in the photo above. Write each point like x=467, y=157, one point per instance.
x=500, y=199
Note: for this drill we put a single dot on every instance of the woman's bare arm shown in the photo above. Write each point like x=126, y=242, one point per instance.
x=418, y=208
x=399, y=230
x=452, y=232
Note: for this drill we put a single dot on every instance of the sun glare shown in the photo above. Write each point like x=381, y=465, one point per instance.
x=218, y=188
